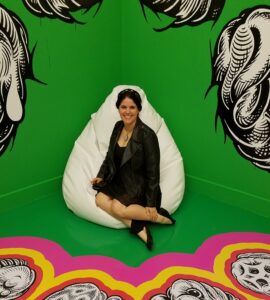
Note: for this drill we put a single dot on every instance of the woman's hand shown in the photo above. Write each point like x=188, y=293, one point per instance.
x=96, y=180
x=152, y=213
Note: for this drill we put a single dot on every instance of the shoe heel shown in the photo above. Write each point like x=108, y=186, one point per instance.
x=137, y=226
x=163, y=212
x=149, y=242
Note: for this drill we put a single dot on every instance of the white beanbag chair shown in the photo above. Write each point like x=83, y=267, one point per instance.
x=89, y=152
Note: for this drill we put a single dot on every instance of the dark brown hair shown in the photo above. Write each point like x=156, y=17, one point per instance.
x=132, y=94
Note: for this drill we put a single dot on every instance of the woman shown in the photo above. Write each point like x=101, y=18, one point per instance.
x=128, y=180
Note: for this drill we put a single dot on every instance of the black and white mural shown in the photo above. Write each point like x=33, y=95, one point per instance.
x=60, y=9
x=240, y=66
x=241, y=70
x=191, y=290
x=86, y=291
x=252, y=271
x=185, y=12
x=16, y=61
x=15, y=67
x=15, y=278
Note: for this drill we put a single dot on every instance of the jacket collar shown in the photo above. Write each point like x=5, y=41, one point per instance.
x=133, y=143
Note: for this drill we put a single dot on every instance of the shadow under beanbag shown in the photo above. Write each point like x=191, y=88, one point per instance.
x=90, y=150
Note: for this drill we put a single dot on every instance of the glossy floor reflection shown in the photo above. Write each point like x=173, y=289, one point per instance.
x=198, y=218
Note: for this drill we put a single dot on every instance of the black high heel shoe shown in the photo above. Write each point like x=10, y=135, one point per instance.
x=137, y=226
x=149, y=242
x=163, y=212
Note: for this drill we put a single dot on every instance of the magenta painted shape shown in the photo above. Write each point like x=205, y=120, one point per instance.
x=203, y=258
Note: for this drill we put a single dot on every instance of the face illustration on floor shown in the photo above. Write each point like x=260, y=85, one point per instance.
x=226, y=267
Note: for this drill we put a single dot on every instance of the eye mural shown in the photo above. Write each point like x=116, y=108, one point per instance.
x=191, y=290
x=15, y=67
x=59, y=8
x=185, y=12
x=15, y=278
x=252, y=271
x=241, y=71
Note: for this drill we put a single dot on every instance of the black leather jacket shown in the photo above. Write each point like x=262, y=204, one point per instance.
x=139, y=169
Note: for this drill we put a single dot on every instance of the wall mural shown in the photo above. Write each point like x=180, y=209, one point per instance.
x=241, y=67
x=59, y=8
x=15, y=67
x=241, y=70
x=185, y=12
x=16, y=61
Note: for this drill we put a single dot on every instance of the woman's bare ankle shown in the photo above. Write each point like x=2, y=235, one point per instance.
x=143, y=235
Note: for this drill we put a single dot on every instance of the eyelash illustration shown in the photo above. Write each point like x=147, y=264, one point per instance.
x=60, y=9
x=185, y=12
x=191, y=289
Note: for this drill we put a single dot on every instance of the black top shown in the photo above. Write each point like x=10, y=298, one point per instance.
x=118, y=155
x=116, y=188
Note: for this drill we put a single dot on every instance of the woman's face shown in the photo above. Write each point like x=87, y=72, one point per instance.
x=128, y=111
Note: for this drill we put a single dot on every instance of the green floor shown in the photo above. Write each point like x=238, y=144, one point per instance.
x=197, y=219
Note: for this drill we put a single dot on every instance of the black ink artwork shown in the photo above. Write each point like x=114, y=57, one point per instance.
x=81, y=291
x=60, y=9
x=15, y=277
x=241, y=71
x=15, y=67
x=191, y=289
x=252, y=271
x=185, y=12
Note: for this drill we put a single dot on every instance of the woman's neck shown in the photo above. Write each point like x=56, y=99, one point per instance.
x=129, y=127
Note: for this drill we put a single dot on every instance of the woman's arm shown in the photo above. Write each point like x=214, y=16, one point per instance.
x=104, y=169
x=96, y=180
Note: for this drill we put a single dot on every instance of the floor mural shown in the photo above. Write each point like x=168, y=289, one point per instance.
x=226, y=266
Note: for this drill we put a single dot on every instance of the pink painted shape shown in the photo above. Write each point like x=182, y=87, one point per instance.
x=203, y=258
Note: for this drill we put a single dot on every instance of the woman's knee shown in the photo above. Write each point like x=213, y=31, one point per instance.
x=99, y=200
x=118, y=209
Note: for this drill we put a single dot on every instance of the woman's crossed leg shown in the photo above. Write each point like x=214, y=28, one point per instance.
x=126, y=214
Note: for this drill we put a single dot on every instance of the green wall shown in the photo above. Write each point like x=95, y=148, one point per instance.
x=174, y=68
x=80, y=66
x=82, y=63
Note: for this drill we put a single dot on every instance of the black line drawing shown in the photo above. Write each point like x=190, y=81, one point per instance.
x=15, y=67
x=87, y=291
x=191, y=290
x=252, y=271
x=59, y=8
x=241, y=70
x=15, y=278
x=185, y=12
